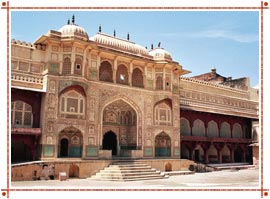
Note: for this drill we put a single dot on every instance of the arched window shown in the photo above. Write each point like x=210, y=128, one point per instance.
x=225, y=130
x=137, y=78
x=198, y=128
x=21, y=114
x=212, y=130
x=237, y=131
x=159, y=83
x=163, y=112
x=184, y=126
x=122, y=75
x=105, y=72
x=66, y=66
x=78, y=65
x=72, y=104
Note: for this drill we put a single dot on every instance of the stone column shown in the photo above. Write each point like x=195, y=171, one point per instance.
x=114, y=69
x=84, y=62
x=130, y=71
x=61, y=60
x=72, y=59
x=163, y=78
x=98, y=65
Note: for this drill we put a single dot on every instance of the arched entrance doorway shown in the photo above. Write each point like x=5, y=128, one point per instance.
x=64, y=147
x=119, y=128
x=70, y=142
x=162, y=145
x=109, y=142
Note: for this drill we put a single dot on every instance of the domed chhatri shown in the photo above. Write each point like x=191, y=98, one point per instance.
x=160, y=54
x=72, y=29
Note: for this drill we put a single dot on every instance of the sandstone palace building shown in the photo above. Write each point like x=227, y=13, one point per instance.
x=94, y=97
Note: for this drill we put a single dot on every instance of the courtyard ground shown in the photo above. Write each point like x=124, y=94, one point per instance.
x=225, y=179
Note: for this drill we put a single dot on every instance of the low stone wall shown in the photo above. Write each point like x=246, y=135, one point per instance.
x=76, y=168
x=83, y=168
x=173, y=164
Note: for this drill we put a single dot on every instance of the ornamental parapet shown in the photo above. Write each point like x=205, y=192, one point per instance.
x=29, y=81
x=230, y=109
x=203, y=96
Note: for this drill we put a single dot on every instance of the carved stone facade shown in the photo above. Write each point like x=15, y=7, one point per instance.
x=105, y=94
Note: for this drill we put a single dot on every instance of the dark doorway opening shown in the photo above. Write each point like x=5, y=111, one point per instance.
x=64, y=148
x=109, y=142
x=197, y=155
x=238, y=154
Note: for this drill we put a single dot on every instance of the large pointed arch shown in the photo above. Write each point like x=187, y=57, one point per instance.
x=137, y=118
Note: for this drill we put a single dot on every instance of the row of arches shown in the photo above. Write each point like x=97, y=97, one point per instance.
x=67, y=66
x=70, y=143
x=198, y=128
x=214, y=153
x=162, y=144
x=122, y=75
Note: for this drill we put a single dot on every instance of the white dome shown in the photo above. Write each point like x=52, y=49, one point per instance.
x=73, y=30
x=160, y=53
x=119, y=43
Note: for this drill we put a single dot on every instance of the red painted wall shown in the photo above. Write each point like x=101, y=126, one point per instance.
x=30, y=97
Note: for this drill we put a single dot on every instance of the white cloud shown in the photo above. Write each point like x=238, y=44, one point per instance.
x=225, y=34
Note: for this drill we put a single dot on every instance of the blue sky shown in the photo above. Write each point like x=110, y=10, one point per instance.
x=198, y=40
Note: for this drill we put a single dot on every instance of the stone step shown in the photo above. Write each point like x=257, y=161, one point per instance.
x=128, y=174
x=127, y=171
x=129, y=178
x=124, y=167
x=116, y=170
x=128, y=163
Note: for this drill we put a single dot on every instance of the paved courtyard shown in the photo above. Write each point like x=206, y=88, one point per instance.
x=227, y=178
